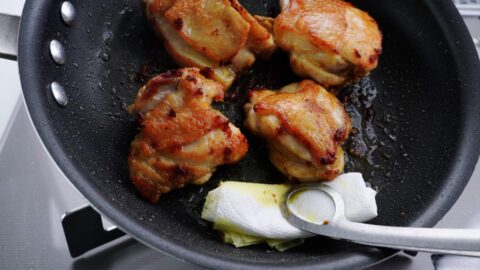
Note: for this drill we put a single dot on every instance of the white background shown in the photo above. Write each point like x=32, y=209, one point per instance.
x=10, y=83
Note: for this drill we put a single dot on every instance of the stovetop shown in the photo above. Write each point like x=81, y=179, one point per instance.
x=34, y=195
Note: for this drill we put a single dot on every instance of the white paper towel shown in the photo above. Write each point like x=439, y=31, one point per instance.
x=254, y=209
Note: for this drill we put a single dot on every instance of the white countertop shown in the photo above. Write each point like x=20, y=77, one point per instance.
x=10, y=89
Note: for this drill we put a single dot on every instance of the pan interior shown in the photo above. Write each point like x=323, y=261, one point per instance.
x=408, y=113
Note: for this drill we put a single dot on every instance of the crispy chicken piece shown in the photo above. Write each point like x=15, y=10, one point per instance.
x=304, y=126
x=216, y=34
x=183, y=139
x=329, y=41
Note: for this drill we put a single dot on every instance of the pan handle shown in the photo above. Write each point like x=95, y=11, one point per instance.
x=9, y=26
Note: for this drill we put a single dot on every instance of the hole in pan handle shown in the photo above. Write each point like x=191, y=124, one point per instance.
x=84, y=231
x=9, y=26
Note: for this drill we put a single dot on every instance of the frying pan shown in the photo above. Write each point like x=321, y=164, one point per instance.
x=418, y=116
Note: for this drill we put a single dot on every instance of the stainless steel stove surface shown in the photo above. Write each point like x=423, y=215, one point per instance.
x=34, y=194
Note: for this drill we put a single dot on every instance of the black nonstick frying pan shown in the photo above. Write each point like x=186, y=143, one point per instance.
x=418, y=117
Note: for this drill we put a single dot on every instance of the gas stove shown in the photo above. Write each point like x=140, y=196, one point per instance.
x=35, y=195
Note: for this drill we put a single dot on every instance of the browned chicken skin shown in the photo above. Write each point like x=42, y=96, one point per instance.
x=329, y=41
x=216, y=34
x=304, y=126
x=183, y=139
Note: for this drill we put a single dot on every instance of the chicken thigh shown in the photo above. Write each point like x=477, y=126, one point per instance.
x=182, y=139
x=217, y=35
x=329, y=41
x=304, y=126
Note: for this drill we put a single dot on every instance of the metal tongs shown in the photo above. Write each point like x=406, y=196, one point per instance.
x=464, y=242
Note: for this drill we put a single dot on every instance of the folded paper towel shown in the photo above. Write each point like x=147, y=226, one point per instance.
x=249, y=213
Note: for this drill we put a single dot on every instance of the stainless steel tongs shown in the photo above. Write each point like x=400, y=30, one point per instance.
x=432, y=240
